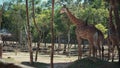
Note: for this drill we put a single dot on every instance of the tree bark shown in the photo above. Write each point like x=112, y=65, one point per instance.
x=36, y=54
x=116, y=14
x=52, y=35
x=117, y=21
x=1, y=13
x=0, y=50
x=39, y=31
x=29, y=35
x=114, y=6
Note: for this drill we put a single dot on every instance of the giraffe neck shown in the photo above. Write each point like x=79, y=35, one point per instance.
x=73, y=19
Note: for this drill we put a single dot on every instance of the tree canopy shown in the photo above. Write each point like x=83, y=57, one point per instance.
x=93, y=11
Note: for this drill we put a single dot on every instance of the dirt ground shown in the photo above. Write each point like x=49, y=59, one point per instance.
x=60, y=61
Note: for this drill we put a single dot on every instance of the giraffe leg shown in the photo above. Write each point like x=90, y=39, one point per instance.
x=94, y=51
x=108, y=43
x=89, y=51
x=97, y=45
x=79, y=48
x=113, y=54
x=99, y=49
x=108, y=53
x=102, y=52
x=91, y=48
x=95, y=48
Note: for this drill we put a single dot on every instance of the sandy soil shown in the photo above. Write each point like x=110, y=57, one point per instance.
x=20, y=57
x=61, y=61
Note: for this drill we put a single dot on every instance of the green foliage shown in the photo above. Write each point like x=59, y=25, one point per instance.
x=92, y=11
x=102, y=28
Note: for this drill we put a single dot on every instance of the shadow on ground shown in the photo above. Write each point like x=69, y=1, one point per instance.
x=93, y=63
x=83, y=63
x=8, y=65
x=36, y=64
x=44, y=65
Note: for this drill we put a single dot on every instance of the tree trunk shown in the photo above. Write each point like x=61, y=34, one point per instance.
x=1, y=13
x=29, y=35
x=113, y=3
x=38, y=45
x=117, y=21
x=52, y=36
x=39, y=32
x=0, y=18
x=0, y=47
x=116, y=14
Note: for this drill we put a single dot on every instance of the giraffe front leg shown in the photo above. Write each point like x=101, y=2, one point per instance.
x=113, y=54
x=79, y=48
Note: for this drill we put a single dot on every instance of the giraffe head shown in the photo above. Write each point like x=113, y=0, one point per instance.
x=63, y=9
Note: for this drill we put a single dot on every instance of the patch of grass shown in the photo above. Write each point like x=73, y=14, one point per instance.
x=36, y=64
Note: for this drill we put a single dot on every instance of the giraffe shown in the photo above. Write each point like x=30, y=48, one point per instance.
x=83, y=31
x=112, y=39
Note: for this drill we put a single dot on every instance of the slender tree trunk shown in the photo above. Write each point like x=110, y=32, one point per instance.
x=0, y=38
x=36, y=54
x=117, y=21
x=116, y=14
x=109, y=29
x=39, y=32
x=1, y=47
x=29, y=34
x=1, y=44
x=52, y=36
x=113, y=3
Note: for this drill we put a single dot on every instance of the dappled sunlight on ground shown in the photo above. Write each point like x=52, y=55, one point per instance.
x=21, y=56
x=60, y=61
